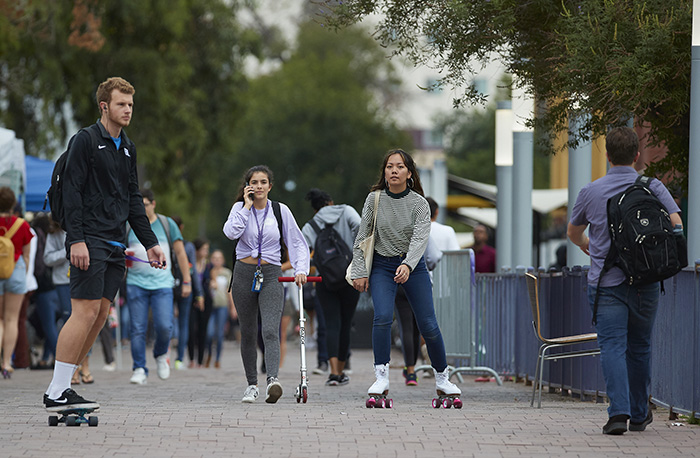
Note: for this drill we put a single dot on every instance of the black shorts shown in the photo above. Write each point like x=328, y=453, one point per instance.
x=103, y=277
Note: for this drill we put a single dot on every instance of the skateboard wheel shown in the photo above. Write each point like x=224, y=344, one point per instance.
x=71, y=421
x=447, y=403
x=371, y=402
x=436, y=404
x=53, y=420
x=92, y=421
x=457, y=403
x=389, y=403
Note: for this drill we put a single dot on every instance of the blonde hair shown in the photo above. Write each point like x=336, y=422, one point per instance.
x=104, y=90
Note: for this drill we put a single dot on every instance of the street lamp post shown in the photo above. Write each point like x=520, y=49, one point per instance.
x=693, y=221
x=504, y=184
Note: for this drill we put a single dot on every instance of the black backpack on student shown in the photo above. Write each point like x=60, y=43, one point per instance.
x=642, y=239
x=332, y=256
x=54, y=196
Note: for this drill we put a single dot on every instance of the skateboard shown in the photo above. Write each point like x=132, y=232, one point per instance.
x=379, y=401
x=447, y=401
x=73, y=417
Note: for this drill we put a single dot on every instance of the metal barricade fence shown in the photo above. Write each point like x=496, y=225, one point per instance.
x=454, y=298
x=675, y=347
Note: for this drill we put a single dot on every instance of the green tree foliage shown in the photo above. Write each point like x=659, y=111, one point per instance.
x=610, y=59
x=182, y=56
x=317, y=121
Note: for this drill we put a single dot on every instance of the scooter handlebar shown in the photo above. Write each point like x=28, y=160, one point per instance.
x=291, y=279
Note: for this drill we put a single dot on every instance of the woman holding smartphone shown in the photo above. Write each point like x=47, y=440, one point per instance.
x=255, y=221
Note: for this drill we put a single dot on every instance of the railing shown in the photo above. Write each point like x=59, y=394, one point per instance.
x=505, y=338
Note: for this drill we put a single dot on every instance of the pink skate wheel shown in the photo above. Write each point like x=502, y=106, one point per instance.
x=457, y=403
x=389, y=403
x=447, y=403
x=371, y=402
x=436, y=404
x=381, y=403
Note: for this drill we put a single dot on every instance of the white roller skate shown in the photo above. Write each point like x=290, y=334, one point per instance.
x=379, y=389
x=448, y=393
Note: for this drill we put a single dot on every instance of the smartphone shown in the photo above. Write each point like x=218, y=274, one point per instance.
x=251, y=195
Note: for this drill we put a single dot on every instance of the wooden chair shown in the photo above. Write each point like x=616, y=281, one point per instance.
x=549, y=343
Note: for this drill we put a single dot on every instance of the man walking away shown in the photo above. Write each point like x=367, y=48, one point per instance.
x=625, y=313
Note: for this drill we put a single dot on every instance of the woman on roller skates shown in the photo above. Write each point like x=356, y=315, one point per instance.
x=259, y=225
x=401, y=236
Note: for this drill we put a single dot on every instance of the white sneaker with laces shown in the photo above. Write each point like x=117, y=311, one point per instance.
x=251, y=394
x=274, y=390
x=163, y=363
x=139, y=376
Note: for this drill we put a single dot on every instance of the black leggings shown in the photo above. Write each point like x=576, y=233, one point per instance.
x=410, y=336
x=338, y=310
x=199, y=319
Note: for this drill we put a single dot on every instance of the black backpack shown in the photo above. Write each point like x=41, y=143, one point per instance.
x=642, y=239
x=54, y=196
x=332, y=256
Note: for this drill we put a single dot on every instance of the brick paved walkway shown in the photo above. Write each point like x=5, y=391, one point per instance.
x=199, y=413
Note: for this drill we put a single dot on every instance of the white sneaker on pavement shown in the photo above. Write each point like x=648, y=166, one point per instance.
x=163, y=363
x=111, y=367
x=251, y=394
x=139, y=376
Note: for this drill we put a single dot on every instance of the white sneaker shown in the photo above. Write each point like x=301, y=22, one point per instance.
x=139, y=376
x=251, y=394
x=111, y=367
x=179, y=365
x=274, y=391
x=163, y=366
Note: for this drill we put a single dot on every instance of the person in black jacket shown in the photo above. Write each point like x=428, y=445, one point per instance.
x=100, y=194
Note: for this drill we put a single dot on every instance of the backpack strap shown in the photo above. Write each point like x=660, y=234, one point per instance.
x=277, y=210
x=9, y=233
x=315, y=226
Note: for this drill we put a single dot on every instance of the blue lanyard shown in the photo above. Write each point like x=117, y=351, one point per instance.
x=260, y=230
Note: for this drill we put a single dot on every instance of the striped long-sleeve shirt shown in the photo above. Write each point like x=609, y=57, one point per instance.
x=403, y=228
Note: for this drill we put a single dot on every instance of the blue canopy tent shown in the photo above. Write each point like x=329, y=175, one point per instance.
x=38, y=181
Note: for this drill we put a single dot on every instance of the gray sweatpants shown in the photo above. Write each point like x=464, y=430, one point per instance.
x=270, y=302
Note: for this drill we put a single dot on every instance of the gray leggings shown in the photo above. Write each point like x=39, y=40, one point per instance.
x=270, y=301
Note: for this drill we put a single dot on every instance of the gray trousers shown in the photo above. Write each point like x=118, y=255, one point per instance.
x=270, y=302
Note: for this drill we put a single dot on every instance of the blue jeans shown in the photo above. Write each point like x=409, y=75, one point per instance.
x=420, y=295
x=64, y=304
x=625, y=320
x=184, y=305
x=46, y=306
x=216, y=328
x=161, y=303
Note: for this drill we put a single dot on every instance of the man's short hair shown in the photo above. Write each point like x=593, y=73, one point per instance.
x=148, y=194
x=104, y=90
x=622, y=145
x=7, y=199
x=433, y=206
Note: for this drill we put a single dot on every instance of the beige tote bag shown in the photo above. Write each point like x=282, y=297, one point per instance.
x=367, y=245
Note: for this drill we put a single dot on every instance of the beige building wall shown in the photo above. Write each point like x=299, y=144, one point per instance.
x=559, y=166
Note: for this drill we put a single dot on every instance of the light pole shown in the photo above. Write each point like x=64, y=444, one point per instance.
x=504, y=185
x=693, y=221
x=523, y=148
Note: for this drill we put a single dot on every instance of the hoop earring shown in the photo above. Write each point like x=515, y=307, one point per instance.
x=410, y=182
